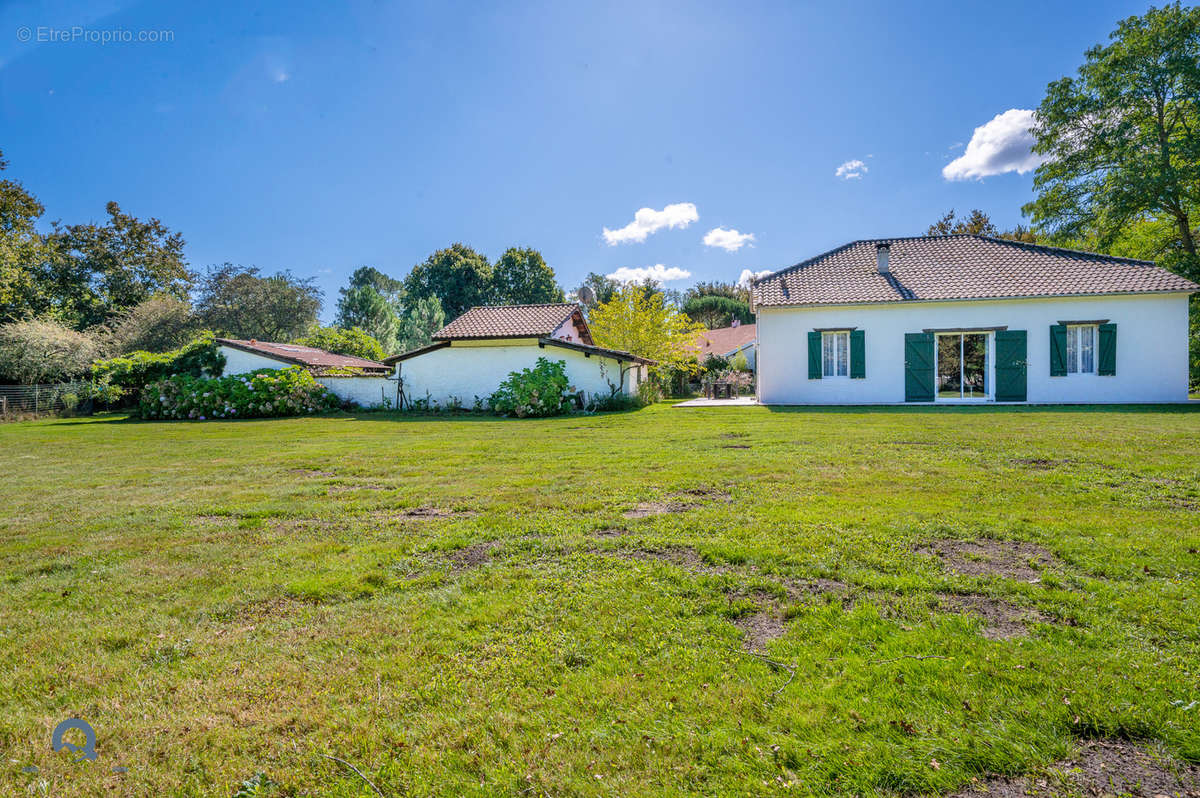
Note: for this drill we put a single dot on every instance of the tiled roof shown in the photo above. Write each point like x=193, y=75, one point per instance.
x=307, y=356
x=725, y=339
x=510, y=321
x=958, y=267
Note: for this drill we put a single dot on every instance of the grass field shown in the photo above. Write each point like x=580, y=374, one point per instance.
x=720, y=601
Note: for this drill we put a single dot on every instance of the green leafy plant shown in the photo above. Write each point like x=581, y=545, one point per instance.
x=543, y=390
x=129, y=374
x=264, y=394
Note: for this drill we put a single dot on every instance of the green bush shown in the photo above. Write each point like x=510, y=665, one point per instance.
x=353, y=342
x=263, y=394
x=530, y=393
x=129, y=374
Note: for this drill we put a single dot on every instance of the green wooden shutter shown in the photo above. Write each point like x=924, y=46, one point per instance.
x=918, y=367
x=814, y=356
x=1107, y=366
x=858, y=355
x=1011, y=366
x=1058, y=350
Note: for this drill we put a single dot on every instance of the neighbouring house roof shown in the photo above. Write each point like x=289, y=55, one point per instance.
x=310, y=357
x=724, y=340
x=587, y=350
x=515, y=321
x=958, y=267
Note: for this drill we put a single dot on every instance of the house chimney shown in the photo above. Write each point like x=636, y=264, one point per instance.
x=881, y=257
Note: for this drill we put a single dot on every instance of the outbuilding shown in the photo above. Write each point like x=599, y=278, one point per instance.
x=970, y=319
x=354, y=379
x=472, y=355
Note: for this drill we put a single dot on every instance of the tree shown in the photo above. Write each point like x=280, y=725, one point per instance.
x=1121, y=138
x=602, y=288
x=645, y=325
x=423, y=318
x=21, y=247
x=353, y=342
x=98, y=271
x=521, y=277
x=978, y=223
x=38, y=350
x=741, y=293
x=715, y=311
x=237, y=302
x=458, y=276
x=159, y=324
x=372, y=301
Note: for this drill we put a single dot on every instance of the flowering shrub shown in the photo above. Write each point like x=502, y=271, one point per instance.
x=269, y=392
x=540, y=391
x=128, y=375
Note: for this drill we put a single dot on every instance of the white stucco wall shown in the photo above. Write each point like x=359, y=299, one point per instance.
x=366, y=391
x=468, y=369
x=238, y=361
x=1152, y=344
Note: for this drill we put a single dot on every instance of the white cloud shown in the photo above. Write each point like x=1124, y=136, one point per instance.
x=1002, y=145
x=648, y=220
x=728, y=240
x=658, y=273
x=852, y=170
x=747, y=276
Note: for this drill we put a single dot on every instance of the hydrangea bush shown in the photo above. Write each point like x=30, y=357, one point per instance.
x=543, y=390
x=265, y=393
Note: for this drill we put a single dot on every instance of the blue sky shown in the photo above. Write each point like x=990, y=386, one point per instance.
x=318, y=136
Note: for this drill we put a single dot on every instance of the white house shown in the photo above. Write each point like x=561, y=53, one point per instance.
x=966, y=318
x=354, y=379
x=472, y=355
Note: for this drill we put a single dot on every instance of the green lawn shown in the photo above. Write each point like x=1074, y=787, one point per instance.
x=225, y=599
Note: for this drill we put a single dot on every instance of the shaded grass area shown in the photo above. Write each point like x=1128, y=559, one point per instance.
x=723, y=601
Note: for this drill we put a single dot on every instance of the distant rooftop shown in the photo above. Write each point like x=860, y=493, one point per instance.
x=514, y=321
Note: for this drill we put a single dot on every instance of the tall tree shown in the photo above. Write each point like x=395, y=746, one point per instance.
x=602, y=289
x=21, y=250
x=239, y=302
x=641, y=323
x=419, y=322
x=458, y=276
x=159, y=324
x=977, y=223
x=715, y=311
x=739, y=292
x=1122, y=138
x=372, y=301
x=521, y=277
x=101, y=270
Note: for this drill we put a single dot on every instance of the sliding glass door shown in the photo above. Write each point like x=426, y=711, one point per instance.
x=963, y=366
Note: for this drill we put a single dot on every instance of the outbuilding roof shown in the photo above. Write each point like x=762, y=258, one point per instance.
x=725, y=339
x=514, y=321
x=958, y=267
x=310, y=357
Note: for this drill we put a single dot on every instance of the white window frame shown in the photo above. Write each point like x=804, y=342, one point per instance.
x=840, y=346
x=1075, y=351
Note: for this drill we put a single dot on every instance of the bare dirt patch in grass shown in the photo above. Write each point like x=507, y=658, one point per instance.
x=759, y=628
x=1039, y=463
x=473, y=556
x=736, y=446
x=610, y=532
x=1001, y=620
x=1101, y=767
x=818, y=588
x=1010, y=559
x=311, y=472
x=360, y=486
x=684, y=557
x=679, y=502
x=421, y=513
